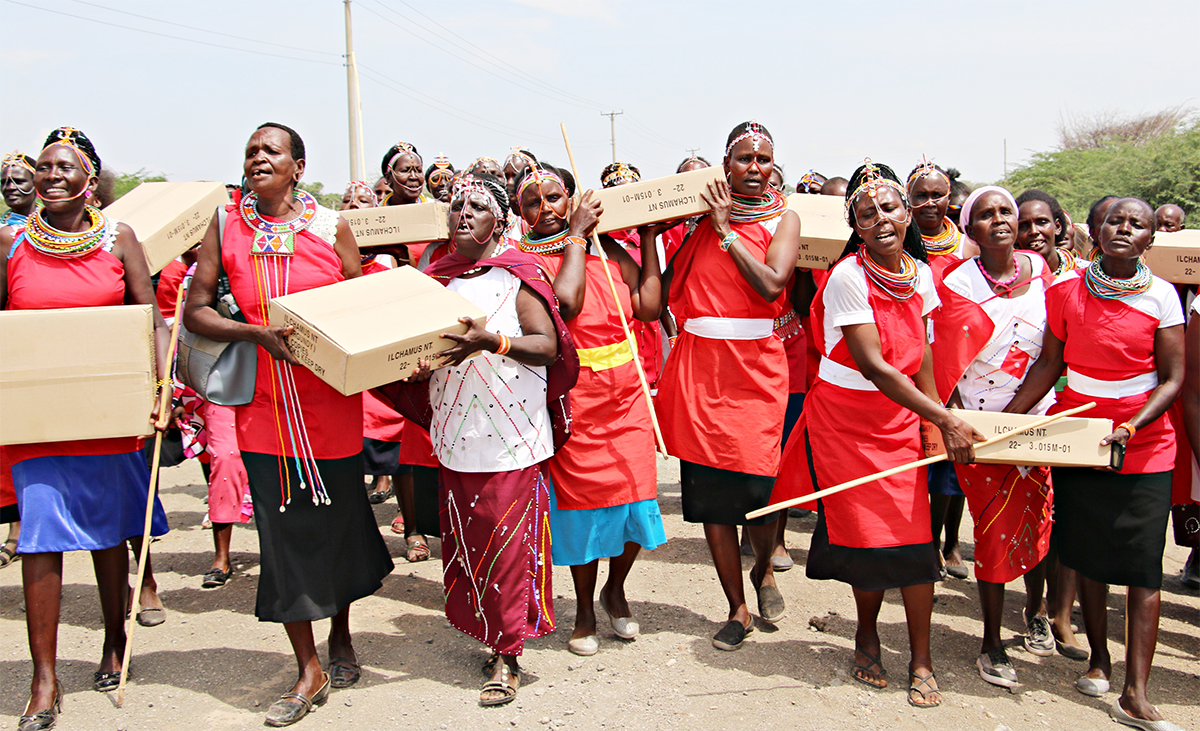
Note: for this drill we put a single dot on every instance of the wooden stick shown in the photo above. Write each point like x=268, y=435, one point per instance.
x=612, y=287
x=164, y=418
x=912, y=465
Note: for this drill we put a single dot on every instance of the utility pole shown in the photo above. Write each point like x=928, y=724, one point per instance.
x=692, y=151
x=357, y=171
x=612, y=120
x=1005, y=177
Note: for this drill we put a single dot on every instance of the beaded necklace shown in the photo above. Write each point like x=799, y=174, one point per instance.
x=65, y=244
x=550, y=245
x=944, y=243
x=900, y=285
x=277, y=238
x=1006, y=285
x=756, y=209
x=12, y=218
x=1106, y=287
x=1067, y=261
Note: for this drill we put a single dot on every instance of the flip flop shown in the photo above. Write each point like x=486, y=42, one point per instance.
x=916, y=682
x=507, y=689
x=418, y=549
x=874, y=662
x=398, y=524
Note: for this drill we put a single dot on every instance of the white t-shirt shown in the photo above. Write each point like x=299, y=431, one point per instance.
x=847, y=303
x=1160, y=301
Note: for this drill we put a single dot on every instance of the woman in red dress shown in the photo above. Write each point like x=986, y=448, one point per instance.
x=869, y=326
x=723, y=393
x=604, y=491
x=301, y=441
x=1118, y=331
x=81, y=495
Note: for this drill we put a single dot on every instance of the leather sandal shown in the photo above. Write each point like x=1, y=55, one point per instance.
x=873, y=661
x=8, y=555
x=507, y=685
x=291, y=707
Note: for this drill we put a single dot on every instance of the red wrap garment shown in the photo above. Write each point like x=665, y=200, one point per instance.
x=333, y=421
x=169, y=281
x=609, y=459
x=854, y=433
x=721, y=402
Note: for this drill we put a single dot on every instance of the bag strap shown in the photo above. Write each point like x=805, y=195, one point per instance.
x=221, y=213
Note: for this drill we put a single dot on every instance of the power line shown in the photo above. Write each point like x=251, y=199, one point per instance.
x=165, y=35
x=204, y=30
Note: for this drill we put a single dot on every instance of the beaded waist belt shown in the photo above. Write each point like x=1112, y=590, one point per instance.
x=787, y=326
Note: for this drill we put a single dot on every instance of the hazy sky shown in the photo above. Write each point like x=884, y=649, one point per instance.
x=833, y=81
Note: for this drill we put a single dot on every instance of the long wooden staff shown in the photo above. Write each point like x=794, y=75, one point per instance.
x=164, y=418
x=912, y=465
x=612, y=287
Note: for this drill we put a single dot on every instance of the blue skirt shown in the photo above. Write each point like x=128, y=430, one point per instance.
x=83, y=503
x=579, y=537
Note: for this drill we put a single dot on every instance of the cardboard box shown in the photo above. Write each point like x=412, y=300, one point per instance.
x=365, y=332
x=1175, y=256
x=168, y=218
x=1069, y=442
x=823, y=229
x=417, y=223
x=70, y=374
x=651, y=201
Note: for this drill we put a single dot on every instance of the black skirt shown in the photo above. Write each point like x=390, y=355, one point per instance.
x=1110, y=527
x=427, y=500
x=380, y=458
x=315, y=559
x=723, y=497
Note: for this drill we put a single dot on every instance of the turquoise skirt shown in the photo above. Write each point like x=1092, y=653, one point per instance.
x=579, y=537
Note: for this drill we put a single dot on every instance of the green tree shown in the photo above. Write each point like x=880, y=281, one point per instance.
x=329, y=200
x=126, y=182
x=1162, y=166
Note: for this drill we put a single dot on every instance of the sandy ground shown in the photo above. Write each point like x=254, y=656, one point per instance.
x=213, y=666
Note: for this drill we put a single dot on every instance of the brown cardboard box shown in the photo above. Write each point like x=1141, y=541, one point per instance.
x=823, y=229
x=1175, y=256
x=83, y=373
x=417, y=223
x=1069, y=442
x=651, y=201
x=168, y=218
x=365, y=332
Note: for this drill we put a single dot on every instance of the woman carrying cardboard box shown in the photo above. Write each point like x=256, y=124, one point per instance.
x=301, y=441
x=82, y=495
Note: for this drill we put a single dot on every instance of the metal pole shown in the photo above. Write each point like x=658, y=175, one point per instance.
x=612, y=120
x=357, y=172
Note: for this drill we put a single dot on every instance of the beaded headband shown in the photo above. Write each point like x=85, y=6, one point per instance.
x=363, y=185
x=925, y=169
x=871, y=182
x=404, y=148
x=537, y=176
x=519, y=154
x=806, y=180
x=66, y=138
x=755, y=133
x=16, y=157
x=619, y=173
x=441, y=162
x=441, y=170
x=467, y=185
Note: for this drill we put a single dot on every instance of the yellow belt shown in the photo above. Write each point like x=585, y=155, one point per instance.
x=606, y=356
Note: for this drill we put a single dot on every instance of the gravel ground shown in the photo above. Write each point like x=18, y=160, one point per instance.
x=213, y=666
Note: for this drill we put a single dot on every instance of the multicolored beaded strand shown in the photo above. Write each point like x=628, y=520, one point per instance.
x=900, y=285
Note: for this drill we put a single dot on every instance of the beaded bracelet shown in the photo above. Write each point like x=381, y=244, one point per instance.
x=577, y=241
x=1128, y=427
x=671, y=340
x=728, y=240
x=163, y=383
x=505, y=345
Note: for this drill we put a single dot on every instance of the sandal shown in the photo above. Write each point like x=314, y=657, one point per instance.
x=343, y=672
x=105, y=682
x=8, y=555
x=489, y=666
x=868, y=673
x=398, y=524
x=418, y=549
x=916, y=694
x=506, y=688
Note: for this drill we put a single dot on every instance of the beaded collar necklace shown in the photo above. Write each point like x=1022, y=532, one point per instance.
x=277, y=238
x=900, y=285
x=756, y=209
x=1067, y=261
x=548, y=246
x=12, y=218
x=944, y=243
x=64, y=244
x=1105, y=287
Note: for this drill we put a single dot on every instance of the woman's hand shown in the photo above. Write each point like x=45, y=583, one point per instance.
x=652, y=231
x=1120, y=436
x=274, y=341
x=959, y=438
x=716, y=194
x=421, y=373
x=585, y=216
x=474, y=340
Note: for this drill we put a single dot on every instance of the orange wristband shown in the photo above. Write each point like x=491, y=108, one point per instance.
x=1128, y=427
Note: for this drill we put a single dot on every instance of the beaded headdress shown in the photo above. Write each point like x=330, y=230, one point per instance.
x=538, y=175
x=755, y=132
x=519, y=153
x=871, y=182
x=806, y=180
x=402, y=148
x=442, y=170
x=497, y=201
x=485, y=158
x=16, y=157
x=925, y=169
x=66, y=136
x=363, y=185
x=619, y=173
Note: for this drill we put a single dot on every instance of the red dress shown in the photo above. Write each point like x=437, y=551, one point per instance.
x=609, y=459
x=721, y=401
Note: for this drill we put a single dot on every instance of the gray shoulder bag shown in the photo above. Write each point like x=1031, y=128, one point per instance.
x=221, y=373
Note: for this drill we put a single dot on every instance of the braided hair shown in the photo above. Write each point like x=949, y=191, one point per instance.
x=297, y=144
x=913, y=243
x=77, y=140
x=1056, y=211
